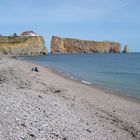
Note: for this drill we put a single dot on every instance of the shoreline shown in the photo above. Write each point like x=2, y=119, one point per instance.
x=102, y=89
x=45, y=105
x=74, y=79
x=107, y=91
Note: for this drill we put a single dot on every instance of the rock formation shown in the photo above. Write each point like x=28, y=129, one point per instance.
x=68, y=45
x=126, y=50
x=20, y=45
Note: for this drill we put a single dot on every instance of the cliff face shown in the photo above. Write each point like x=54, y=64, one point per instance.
x=68, y=45
x=32, y=45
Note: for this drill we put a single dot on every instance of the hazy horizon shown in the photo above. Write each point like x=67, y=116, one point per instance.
x=113, y=20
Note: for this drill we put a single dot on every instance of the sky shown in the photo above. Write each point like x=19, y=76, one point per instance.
x=113, y=20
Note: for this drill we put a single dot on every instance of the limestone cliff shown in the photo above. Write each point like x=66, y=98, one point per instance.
x=20, y=45
x=68, y=45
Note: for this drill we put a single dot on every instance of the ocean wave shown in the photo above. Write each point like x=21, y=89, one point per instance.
x=85, y=82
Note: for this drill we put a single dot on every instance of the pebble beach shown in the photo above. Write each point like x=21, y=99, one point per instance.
x=42, y=105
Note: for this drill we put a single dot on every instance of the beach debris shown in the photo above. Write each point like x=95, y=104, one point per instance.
x=32, y=135
x=88, y=130
x=57, y=91
x=114, y=131
x=87, y=123
x=3, y=79
x=13, y=57
x=22, y=124
x=35, y=69
x=64, y=138
x=40, y=96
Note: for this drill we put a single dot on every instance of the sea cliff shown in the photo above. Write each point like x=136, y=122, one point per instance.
x=22, y=45
x=126, y=49
x=69, y=45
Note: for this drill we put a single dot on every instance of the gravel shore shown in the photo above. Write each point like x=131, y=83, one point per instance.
x=45, y=106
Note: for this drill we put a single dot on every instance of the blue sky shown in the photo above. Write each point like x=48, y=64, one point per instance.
x=115, y=20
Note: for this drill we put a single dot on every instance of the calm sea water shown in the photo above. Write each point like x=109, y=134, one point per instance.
x=115, y=72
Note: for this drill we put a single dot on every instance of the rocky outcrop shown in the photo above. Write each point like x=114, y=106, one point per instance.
x=20, y=45
x=126, y=50
x=68, y=45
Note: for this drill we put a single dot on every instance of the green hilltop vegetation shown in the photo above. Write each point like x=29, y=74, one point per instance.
x=13, y=39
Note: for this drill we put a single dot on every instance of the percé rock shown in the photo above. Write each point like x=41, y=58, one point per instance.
x=126, y=50
x=68, y=45
x=22, y=45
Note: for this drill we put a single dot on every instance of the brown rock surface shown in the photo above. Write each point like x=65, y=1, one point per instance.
x=32, y=45
x=68, y=45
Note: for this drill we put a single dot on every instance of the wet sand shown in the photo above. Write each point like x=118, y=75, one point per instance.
x=46, y=106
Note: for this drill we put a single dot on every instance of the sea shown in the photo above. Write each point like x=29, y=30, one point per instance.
x=117, y=73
